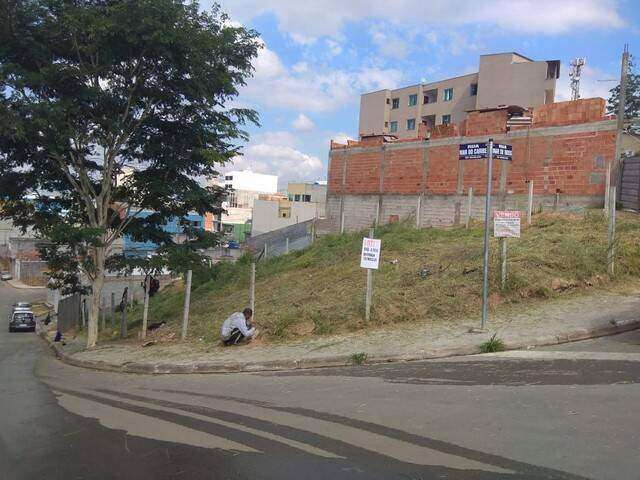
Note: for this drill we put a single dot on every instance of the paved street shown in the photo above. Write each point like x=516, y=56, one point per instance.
x=566, y=412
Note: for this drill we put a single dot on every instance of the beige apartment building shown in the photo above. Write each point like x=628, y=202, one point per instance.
x=502, y=79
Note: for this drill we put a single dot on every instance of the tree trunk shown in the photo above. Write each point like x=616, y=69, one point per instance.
x=96, y=295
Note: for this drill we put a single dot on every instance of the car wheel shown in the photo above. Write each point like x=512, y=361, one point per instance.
x=10, y=329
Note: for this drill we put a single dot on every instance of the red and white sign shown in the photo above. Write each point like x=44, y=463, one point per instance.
x=506, y=223
x=370, y=257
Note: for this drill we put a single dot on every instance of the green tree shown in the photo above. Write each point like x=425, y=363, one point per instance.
x=110, y=108
x=632, y=98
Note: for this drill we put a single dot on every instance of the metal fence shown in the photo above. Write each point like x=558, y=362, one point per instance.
x=283, y=240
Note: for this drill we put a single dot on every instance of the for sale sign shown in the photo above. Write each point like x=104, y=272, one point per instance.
x=506, y=224
x=370, y=257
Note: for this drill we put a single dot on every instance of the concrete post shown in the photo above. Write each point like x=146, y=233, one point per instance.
x=369, y=291
x=611, y=252
x=469, y=205
x=187, y=301
x=252, y=289
x=145, y=311
x=530, y=203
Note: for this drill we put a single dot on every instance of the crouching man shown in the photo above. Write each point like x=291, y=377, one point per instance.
x=238, y=328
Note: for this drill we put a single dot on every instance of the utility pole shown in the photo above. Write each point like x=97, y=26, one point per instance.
x=622, y=98
x=615, y=171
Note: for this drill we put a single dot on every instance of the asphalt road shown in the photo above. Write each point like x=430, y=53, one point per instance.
x=565, y=413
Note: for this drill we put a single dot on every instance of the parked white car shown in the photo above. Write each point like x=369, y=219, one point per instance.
x=5, y=276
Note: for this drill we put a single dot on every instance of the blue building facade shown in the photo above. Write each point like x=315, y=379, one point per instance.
x=132, y=248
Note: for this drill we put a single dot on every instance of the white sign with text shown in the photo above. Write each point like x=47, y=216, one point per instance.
x=370, y=257
x=506, y=223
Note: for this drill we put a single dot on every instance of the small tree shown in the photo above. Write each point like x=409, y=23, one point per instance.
x=632, y=99
x=110, y=112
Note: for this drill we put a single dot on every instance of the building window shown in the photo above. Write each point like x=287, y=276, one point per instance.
x=388, y=101
x=290, y=198
x=413, y=100
x=296, y=197
x=395, y=103
x=306, y=198
x=393, y=127
x=448, y=94
x=446, y=119
x=411, y=124
x=386, y=124
x=229, y=177
x=474, y=89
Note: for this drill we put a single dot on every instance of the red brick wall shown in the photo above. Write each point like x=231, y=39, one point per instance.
x=572, y=164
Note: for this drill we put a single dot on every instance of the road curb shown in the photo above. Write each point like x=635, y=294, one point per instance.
x=357, y=358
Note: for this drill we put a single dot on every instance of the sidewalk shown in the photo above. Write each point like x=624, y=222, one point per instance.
x=562, y=321
x=18, y=284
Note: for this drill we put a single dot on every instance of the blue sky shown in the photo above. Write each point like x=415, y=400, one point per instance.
x=319, y=56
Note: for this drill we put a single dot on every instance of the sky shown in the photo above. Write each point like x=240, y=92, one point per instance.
x=319, y=56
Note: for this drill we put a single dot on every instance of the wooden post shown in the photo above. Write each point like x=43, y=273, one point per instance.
x=145, y=311
x=252, y=289
x=530, y=203
x=113, y=309
x=286, y=245
x=369, y=290
x=469, y=205
x=266, y=250
x=131, y=291
x=607, y=190
x=503, y=257
x=556, y=202
x=83, y=312
x=187, y=300
x=611, y=252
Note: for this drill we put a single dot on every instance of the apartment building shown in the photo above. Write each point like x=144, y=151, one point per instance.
x=309, y=192
x=502, y=79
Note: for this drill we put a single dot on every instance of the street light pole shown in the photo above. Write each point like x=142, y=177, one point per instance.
x=487, y=215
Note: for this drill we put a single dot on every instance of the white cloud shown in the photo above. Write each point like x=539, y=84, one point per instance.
x=303, y=123
x=300, y=67
x=390, y=44
x=285, y=161
x=341, y=137
x=306, y=21
x=321, y=90
x=590, y=83
x=334, y=47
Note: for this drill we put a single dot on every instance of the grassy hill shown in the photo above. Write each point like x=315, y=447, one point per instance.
x=320, y=290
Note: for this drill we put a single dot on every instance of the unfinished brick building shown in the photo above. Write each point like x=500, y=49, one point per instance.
x=565, y=152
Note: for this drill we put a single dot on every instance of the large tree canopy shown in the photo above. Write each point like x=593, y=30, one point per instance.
x=111, y=107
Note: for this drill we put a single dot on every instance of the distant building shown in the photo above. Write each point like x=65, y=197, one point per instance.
x=309, y=192
x=175, y=227
x=244, y=188
x=304, y=201
x=502, y=79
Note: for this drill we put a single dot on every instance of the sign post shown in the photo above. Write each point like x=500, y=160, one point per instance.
x=487, y=212
x=369, y=259
x=506, y=224
x=476, y=151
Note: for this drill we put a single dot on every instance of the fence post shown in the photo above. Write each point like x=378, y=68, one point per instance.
x=113, y=309
x=187, y=300
x=252, y=289
x=131, y=291
x=612, y=231
x=145, y=311
x=530, y=203
x=103, y=314
x=286, y=245
x=469, y=205
x=556, y=202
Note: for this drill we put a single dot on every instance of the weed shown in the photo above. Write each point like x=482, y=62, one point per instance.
x=492, y=345
x=358, y=358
